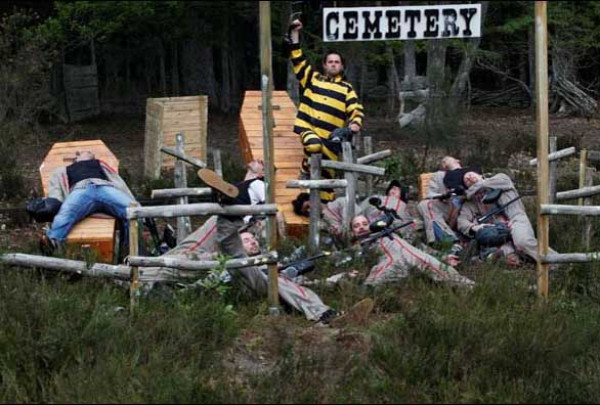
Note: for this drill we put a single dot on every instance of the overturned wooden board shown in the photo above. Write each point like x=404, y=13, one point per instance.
x=288, y=152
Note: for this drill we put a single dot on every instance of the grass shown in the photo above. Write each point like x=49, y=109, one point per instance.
x=65, y=340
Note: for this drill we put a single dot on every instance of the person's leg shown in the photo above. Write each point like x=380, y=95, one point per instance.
x=113, y=201
x=405, y=256
x=312, y=143
x=78, y=205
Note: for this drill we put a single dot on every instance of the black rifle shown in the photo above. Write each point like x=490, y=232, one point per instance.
x=497, y=211
x=388, y=231
x=300, y=267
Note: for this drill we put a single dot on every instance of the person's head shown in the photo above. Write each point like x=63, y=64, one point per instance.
x=302, y=204
x=250, y=243
x=471, y=178
x=82, y=155
x=360, y=226
x=450, y=163
x=256, y=168
x=333, y=64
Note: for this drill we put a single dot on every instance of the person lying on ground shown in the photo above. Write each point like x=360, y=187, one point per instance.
x=442, y=203
x=513, y=216
x=230, y=244
x=86, y=187
x=397, y=258
x=394, y=199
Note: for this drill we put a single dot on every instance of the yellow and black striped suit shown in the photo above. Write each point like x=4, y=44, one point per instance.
x=325, y=105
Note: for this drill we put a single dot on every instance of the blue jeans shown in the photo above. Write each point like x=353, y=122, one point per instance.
x=83, y=202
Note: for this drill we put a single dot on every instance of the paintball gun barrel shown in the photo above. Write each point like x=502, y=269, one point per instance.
x=496, y=211
x=300, y=267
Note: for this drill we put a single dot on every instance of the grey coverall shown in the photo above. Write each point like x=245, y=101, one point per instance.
x=439, y=216
x=521, y=230
x=301, y=298
x=398, y=257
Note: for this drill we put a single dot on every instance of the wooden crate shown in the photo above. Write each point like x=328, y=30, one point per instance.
x=288, y=150
x=424, y=180
x=98, y=231
x=165, y=117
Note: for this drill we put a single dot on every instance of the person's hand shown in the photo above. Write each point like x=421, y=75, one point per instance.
x=480, y=226
x=452, y=260
x=354, y=127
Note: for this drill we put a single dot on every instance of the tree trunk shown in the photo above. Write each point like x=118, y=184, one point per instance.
x=198, y=63
x=531, y=60
x=175, y=69
x=410, y=61
x=161, y=67
x=225, y=81
x=462, y=78
x=393, y=82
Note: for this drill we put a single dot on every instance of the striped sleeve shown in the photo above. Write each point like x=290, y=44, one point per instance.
x=302, y=68
x=354, y=110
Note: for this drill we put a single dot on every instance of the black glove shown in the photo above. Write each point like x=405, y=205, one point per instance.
x=341, y=135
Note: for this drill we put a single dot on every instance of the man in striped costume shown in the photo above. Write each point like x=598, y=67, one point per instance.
x=327, y=103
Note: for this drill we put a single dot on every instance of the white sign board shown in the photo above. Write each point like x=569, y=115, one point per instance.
x=401, y=23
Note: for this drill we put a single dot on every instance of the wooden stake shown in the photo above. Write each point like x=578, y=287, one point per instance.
x=315, y=205
x=134, y=251
x=582, y=170
x=353, y=167
x=188, y=159
x=181, y=192
x=200, y=265
x=217, y=162
x=184, y=225
x=317, y=184
x=374, y=157
x=71, y=266
x=350, y=189
x=587, y=226
x=541, y=58
x=368, y=150
x=553, y=167
x=173, y=211
x=267, y=124
x=561, y=154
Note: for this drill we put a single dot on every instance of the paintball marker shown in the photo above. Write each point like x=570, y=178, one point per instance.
x=382, y=225
x=253, y=221
x=300, y=267
x=385, y=232
x=341, y=135
x=496, y=211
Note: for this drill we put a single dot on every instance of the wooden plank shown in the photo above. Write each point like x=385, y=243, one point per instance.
x=288, y=150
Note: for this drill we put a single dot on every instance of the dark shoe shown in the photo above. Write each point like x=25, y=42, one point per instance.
x=327, y=317
x=216, y=182
x=48, y=246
